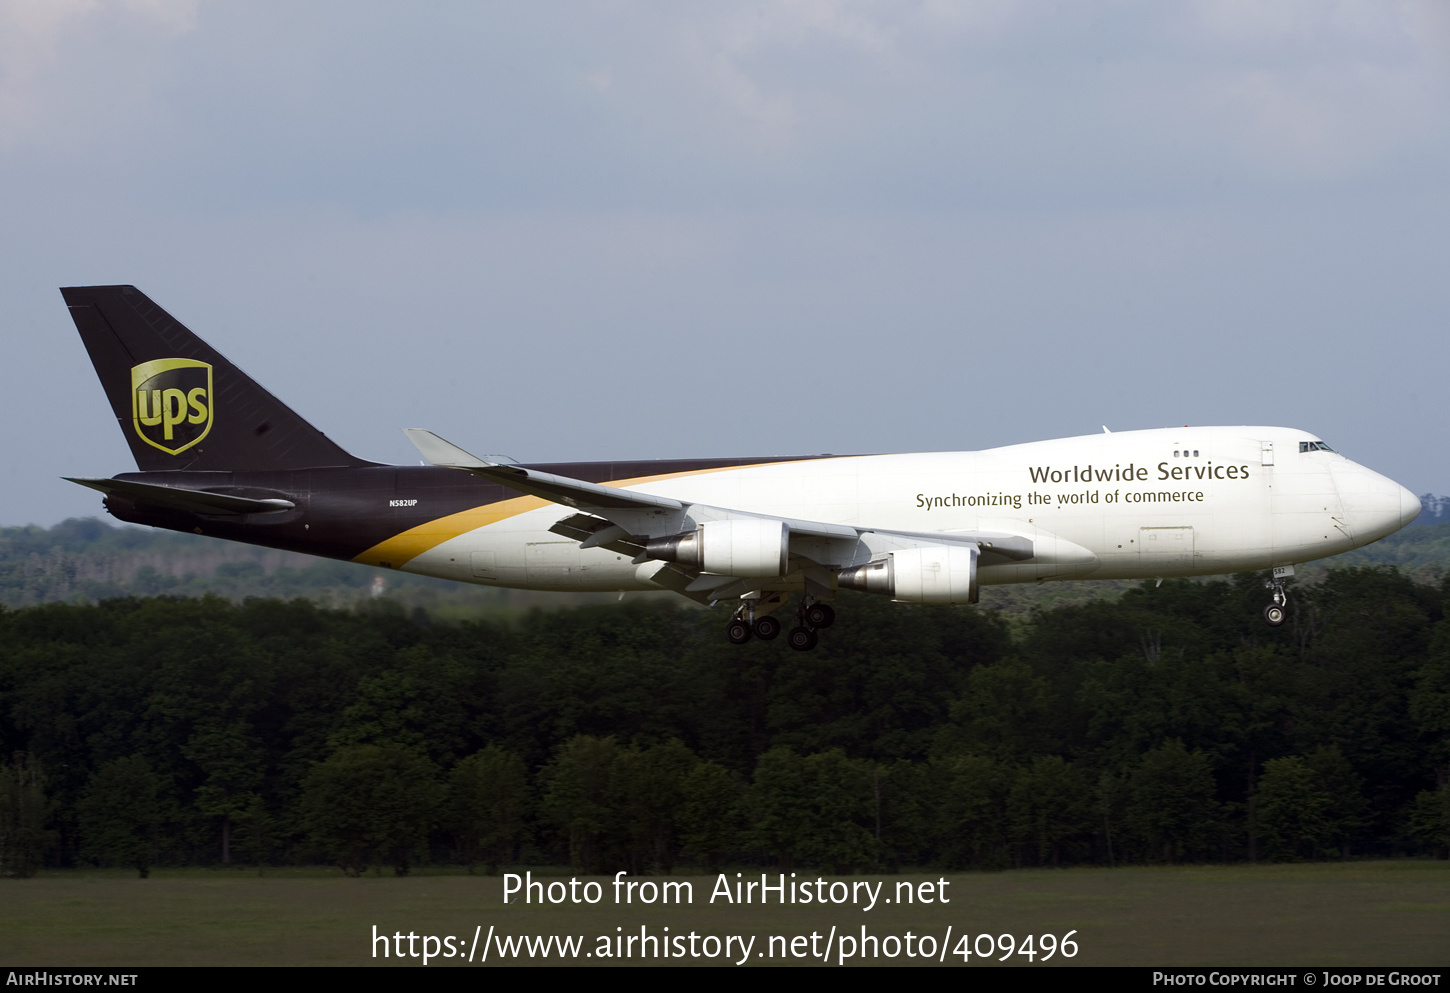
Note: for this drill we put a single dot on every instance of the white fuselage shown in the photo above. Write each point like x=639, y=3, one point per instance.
x=1134, y=504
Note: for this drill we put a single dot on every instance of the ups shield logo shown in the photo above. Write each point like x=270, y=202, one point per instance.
x=171, y=403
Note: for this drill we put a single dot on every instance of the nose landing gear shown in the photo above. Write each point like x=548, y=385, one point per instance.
x=1277, y=612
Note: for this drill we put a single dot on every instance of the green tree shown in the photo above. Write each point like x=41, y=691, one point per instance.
x=777, y=802
x=880, y=685
x=1048, y=807
x=232, y=764
x=841, y=811
x=371, y=802
x=1110, y=800
x=1005, y=713
x=1171, y=812
x=415, y=702
x=1346, y=811
x=904, y=814
x=1430, y=700
x=971, y=805
x=258, y=831
x=578, y=797
x=710, y=814
x=24, y=813
x=1292, y=810
x=488, y=803
x=1361, y=694
x=648, y=785
x=1430, y=819
x=121, y=814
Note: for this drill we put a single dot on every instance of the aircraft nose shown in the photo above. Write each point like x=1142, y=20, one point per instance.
x=1375, y=505
x=1410, y=507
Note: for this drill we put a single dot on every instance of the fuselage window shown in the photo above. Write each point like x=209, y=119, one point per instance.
x=1195, y=453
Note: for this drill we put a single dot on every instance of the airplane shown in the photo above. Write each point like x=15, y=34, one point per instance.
x=219, y=455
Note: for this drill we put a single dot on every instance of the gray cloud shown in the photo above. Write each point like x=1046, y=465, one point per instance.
x=661, y=230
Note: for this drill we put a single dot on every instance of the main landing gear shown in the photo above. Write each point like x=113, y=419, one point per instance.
x=754, y=620
x=813, y=616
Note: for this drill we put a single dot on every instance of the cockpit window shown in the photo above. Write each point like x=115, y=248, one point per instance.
x=1314, y=446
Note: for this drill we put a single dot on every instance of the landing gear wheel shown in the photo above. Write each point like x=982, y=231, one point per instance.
x=820, y=615
x=737, y=631
x=801, y=639
x=1276, y=612
x=766, y=628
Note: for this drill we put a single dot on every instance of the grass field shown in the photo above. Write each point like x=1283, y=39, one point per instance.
x=1366, y=913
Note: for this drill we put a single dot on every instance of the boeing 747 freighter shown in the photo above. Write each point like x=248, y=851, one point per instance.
x=219, y=455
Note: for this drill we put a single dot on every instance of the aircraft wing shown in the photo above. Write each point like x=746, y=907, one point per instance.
x=591, y=496
x=622, y=519
x=559, y=489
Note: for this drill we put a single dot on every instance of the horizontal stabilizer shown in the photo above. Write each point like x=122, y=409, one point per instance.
x=177, y=498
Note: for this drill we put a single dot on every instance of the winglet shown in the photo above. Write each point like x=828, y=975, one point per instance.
x=444, y=453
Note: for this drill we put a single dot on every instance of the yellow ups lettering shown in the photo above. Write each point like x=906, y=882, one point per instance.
x=196, y=399
x=173, y=409
x=152, y=419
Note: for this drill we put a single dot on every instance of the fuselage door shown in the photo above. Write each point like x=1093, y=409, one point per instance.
x=1169, y=549
x=1266, y=456
x=552, y=564
x=485, y=565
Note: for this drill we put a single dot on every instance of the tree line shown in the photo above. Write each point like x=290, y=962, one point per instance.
x=1170, y=725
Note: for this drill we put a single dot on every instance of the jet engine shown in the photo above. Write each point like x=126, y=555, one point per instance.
x=747, y=547
x=933, y=574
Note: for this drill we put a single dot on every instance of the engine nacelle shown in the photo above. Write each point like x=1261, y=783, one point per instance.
x=751, y=547
x=934, y=574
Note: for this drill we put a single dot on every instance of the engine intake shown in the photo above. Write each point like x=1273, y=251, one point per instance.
x=933, y=574
x=749, y=547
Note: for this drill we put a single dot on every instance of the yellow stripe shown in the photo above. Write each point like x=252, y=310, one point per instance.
x=402, y=548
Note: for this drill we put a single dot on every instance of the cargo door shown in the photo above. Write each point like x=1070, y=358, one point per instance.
x=1168, y=549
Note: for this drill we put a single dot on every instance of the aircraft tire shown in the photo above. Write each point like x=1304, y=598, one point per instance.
x=1274, y=615
x=802, y=639
x=766, y=628
x=738, y=632
x=820, y=615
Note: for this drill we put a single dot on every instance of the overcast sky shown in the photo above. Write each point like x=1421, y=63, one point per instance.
x=595, y=230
